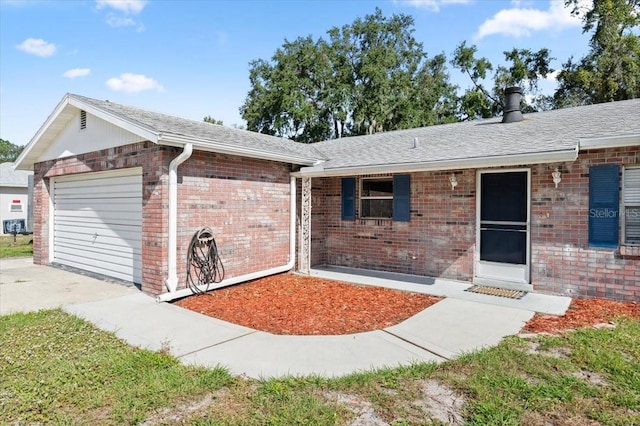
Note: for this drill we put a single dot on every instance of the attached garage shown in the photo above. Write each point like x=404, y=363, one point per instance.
x=97, y=223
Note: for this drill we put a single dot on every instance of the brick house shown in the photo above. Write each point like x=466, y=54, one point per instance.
x=550, y=203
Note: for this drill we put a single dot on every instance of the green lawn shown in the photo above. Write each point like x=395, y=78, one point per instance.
x=21, y=247
x=55, y=368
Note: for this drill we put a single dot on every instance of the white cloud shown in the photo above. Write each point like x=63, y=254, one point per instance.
x=552, y=76
x=38, y=47
x=433, y=5
x=77, y=72
x=133, y=83
x=522, y=22
x=127, y=6
x=119, y=21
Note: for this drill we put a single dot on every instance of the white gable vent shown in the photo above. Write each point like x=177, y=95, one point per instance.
x=83, y=119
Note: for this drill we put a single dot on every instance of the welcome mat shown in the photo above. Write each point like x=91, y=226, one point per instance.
x=494, y=291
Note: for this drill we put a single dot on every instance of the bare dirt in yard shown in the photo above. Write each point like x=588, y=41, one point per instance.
x=583, y=313
x=300, y=305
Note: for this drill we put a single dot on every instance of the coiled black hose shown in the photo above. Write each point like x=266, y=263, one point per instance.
x=204, y=266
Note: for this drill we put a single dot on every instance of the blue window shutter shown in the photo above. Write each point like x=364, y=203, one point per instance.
x=604, y=205
x=348, y=198
x=402, y=198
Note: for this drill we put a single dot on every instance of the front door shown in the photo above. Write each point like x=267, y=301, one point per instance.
x=503, y=226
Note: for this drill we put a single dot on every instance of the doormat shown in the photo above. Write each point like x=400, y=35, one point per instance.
x=494, y=291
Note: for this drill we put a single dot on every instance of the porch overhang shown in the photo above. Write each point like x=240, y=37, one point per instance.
x=439, y=165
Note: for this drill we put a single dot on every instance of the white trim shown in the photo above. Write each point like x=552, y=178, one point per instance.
x=623, y=205
x=221, y=148
x=172, y=245
x=52, y=248
x=609, y=142
x=497, y=265
x=458, y=164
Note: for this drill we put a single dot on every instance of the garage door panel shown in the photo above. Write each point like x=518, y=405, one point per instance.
x=80, y=247
x=121, y=260
x=106, y=269
x=100, y=232
x=115, y=205
x=78, y=221
x=98, y=223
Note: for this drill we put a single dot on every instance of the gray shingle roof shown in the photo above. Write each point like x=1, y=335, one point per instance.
x=13, y=178
x=206, y=132
x=542, y=132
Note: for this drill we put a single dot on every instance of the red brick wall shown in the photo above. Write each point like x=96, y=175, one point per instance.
x=245, y=201
x=439, y=240
x=562, y=261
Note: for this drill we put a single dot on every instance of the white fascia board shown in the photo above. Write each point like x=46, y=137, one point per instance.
x=209, y=146
x=458, y=164
x=136, y=129
x=609, y=142
x=20, y=163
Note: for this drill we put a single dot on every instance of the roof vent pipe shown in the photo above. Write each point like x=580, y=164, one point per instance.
x=416, y=143
x=512, y=113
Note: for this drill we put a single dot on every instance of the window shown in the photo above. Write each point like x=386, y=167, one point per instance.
x=376, y=198
x=380, y=198
x=631, y=205
x=604, y=205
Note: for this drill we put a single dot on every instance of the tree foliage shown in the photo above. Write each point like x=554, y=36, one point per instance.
x=524, y=69
x=369, y=76
x=8, y=151
x=210, y=119
x=611, y=69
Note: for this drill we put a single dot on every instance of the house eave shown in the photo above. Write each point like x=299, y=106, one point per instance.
x=609, y=142
x=220, y=148
x=29, y=156
x=454, y=164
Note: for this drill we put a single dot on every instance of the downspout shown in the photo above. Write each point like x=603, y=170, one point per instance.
x=173, y=294
x=172, y=274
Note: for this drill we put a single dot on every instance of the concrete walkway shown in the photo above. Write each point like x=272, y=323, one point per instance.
x=443, y=331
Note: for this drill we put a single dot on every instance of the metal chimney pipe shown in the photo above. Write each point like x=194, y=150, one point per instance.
x=512, y=113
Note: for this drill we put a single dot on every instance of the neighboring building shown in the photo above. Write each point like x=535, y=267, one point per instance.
x=14, y=199
x=550, y=203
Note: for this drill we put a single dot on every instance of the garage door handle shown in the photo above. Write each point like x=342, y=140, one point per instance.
x=95, y=237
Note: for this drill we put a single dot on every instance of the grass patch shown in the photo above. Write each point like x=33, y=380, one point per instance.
x=23, y=246
x=56, y=368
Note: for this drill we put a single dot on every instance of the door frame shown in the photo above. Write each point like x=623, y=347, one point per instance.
x=494, y=268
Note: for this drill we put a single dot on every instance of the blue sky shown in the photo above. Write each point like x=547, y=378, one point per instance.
x=190, y=58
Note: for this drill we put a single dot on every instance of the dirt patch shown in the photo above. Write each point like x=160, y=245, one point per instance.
x=365, y=415
x=300, y=305
x=178, y=413
x=583, y=313
x=593, y=378
x=442, y=403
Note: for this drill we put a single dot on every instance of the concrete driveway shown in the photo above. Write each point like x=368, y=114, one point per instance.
x=26, y=287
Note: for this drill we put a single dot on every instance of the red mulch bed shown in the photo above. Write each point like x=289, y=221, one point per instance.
x=294, y=304
x=300, y=305
x=583, y=313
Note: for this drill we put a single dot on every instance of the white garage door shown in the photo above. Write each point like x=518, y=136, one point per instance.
x=98, y=223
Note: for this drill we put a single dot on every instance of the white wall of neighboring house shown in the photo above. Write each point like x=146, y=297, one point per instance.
x=14, y=198
x=8, y=197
